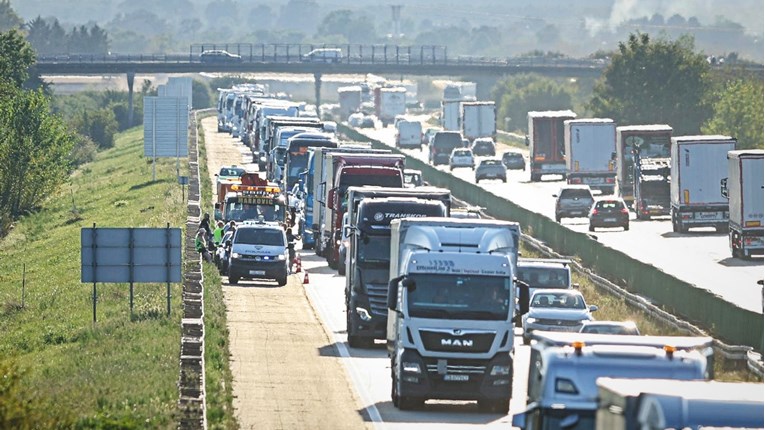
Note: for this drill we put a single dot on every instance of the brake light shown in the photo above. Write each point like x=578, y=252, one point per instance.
x=609, y=180
x=575, y=180
x=625, y=211
x=594, y=211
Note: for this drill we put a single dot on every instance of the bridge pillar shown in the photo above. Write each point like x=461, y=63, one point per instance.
x=130, y=80
x=317, y=89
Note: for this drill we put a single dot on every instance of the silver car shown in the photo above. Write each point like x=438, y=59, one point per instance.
x=556, y=310
x=491, y=168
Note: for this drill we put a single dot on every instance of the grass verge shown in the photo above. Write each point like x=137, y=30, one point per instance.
x=121, y=372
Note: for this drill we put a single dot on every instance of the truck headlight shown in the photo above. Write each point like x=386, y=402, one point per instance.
x=363, y=314
x=500, y=370
x=235, y=255
x=408, y=367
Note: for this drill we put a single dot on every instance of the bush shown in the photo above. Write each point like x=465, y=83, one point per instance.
x=100, y=125
x=84, y=150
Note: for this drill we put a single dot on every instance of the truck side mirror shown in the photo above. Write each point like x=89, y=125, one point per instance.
x=393, y=292
x=347, y=231
x=523, y=296
x=724, y=187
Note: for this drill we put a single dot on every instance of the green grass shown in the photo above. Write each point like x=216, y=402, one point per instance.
x=613, y=308
x=120, y=372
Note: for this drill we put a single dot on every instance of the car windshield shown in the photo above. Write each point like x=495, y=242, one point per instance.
x=544, y=277
x=557, y=300
x=257, y=236
x=491, y=163
x=513, y=155
x=610, y=329
x=575, y=194
x=229, y=171
x=461, y=153
x=459, y=297
x=609, y=205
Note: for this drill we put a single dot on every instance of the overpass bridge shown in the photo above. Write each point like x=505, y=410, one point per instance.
x=425, y=60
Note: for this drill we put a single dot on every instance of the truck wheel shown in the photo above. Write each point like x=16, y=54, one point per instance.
x=363, y=342
x=499, y=406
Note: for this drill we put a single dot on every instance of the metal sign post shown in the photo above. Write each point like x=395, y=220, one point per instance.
x=183, y=180
x=154, y=140
x=95, y=295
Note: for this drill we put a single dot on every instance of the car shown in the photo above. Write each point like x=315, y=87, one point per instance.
x=556, y=310
x=258, y=251
x=514, y=160
x=484, y=146
x=573, y=201
x=413, y=178
x=219, y=56
x=610, y=212
x=367, y=122
x=491, y=168
x=229, y=173
x=610, y=327
x=461, y=157
x=323, y=55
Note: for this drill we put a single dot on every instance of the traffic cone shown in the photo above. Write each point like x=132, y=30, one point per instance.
x=305, y=278
x=298, y=265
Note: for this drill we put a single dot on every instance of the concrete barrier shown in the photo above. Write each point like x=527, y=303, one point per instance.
x=720, y=318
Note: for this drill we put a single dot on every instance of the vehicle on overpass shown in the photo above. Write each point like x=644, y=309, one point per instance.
x=219, y=56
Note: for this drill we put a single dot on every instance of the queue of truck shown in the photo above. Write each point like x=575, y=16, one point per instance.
x=445, y=293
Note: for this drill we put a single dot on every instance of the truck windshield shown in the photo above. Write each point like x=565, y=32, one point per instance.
x=297, y=163
x=374, y=250
x=459, y=297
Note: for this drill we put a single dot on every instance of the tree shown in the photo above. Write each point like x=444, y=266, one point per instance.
x=9, y=19
x=655, y=82
x=200, y=95
x=16, y=57
x=519, y=94
x=738, y=112
x=35, y=147
x=100, y=125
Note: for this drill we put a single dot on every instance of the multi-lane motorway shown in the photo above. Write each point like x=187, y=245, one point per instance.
x=701, y=258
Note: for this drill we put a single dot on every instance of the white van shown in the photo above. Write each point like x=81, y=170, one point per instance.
x=324, y=55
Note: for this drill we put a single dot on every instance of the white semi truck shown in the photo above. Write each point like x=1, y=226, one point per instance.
x=698, y=165
x=591, y=153
x=478, y=119
x=744, y=190
x=451, y=303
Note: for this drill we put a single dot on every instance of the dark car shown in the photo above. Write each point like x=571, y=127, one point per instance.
x=514, y=160
x=219, y=56
x=491, y=168
x=573, y=201
x=609, y=213
x=484, y=146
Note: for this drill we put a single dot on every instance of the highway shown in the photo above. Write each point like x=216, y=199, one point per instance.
x=367, y=370
x=701, y=258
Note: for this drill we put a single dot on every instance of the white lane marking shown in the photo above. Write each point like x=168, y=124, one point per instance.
x=356, y=377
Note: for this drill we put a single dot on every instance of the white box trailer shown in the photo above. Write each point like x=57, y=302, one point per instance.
x=744, y=188
x=349, y=99
x=591, y=153
x=450, y=115
x=479, y=119
x=699, y=164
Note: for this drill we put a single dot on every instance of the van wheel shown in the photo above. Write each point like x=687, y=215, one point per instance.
x=282, y=281
x=233, y=280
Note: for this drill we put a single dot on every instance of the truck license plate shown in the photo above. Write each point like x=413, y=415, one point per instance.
x=458, y=378
x=257, y=272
